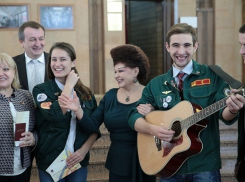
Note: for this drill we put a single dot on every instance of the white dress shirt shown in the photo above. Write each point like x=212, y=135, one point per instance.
x=72, y=134
x=187, y=70
x=30, y=68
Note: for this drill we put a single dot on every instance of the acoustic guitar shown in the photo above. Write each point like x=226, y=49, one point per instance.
x=187, y=120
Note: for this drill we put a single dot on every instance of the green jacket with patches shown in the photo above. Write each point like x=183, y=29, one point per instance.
x=198, y=90
x=53, y=127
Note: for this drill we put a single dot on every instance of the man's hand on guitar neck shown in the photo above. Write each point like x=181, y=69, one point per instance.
x=159, y=131
x=234, y=103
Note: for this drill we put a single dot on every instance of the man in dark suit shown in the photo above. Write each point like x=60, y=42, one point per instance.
x=32, y=39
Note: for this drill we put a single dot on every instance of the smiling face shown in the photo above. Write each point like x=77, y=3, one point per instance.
x=34, y=42
x=6, y=76
x=125, y=75
x=181, y=49
x=61, y=64
x=242, y=42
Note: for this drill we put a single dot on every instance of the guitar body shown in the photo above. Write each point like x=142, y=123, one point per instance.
x=186, y=143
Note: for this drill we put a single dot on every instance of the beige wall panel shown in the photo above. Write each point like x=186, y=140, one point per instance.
x=225, y=36
x=187, y=8
x=225, y=18
x=225, y=4
x=227, y=23
x=225, y=56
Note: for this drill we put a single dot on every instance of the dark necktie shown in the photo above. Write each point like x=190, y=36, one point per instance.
x=180, y=76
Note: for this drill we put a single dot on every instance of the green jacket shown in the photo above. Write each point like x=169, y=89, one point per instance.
x=53, y=127
x=204, y=95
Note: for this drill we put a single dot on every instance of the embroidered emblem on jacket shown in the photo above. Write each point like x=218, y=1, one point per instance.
x=41, y=97
x=200, y=82
x=46, y=105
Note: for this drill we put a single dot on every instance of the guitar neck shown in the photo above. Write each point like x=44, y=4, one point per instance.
x=202, y=114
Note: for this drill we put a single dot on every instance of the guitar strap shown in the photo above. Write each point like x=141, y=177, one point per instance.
x=226, y=77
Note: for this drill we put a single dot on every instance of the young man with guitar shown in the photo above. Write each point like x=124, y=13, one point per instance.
x=180, y=141
x=240, y=165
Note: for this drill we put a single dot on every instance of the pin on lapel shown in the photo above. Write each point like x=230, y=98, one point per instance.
x=165, y=104
x=168, y=99
x=56, y=93
x=166, y=92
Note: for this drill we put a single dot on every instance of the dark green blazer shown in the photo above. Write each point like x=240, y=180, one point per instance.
x=53, y=127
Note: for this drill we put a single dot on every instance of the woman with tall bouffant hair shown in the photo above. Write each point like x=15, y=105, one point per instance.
x=14, y=154
x=57, y=127
x=131, y=67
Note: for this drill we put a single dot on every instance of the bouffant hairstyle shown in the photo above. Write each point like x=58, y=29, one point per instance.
x=181, y=28
x=132, y=56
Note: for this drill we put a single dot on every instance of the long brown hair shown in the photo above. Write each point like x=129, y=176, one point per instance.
x=85, y=92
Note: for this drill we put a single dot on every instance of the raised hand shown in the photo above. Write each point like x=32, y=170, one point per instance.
x=67, y=102
x=72, y=78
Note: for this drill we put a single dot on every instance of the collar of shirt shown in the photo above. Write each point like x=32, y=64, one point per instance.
x=61, y=86
x=40, y=59
x=187, y=69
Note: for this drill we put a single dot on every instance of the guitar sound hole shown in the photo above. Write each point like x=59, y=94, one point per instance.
x=177, y=128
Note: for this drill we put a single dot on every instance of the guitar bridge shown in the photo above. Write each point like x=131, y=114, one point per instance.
x=158, y=143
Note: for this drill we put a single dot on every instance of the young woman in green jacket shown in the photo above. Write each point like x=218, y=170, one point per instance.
x=57, y=127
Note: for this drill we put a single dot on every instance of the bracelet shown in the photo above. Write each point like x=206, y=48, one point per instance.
x=233, y=112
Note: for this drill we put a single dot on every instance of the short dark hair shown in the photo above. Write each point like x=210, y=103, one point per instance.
x=132, y=56
x=31, y=24
x=181, y=28
x=85, y=92
x=242, y=29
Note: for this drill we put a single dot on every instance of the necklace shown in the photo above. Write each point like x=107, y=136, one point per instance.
x=128, y=96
